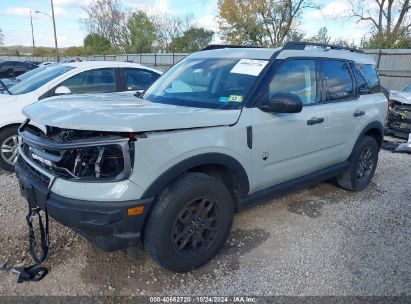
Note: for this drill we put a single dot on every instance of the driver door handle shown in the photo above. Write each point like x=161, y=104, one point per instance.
x=315, y=120
x=358, y=113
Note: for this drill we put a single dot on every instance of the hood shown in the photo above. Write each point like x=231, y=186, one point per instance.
x=6, y=98
x=400, y=96
x=123, y=113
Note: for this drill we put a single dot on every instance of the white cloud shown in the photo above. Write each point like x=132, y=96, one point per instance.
x=334, y=9
x=59, y=11
x=18, y=11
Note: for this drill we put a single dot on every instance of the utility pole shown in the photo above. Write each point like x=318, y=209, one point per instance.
x=54, y=27
x=32, y=33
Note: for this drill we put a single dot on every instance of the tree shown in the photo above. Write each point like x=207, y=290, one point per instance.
x=259, y=22
x=322, y=36
x=141, y=33
x=389, y=19
x=96, y=44
x=1, y=37
x=108, y=19
x=192, y=40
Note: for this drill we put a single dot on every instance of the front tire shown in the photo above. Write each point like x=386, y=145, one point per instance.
x=9, y=148
x=362, y=165
x=190, y=222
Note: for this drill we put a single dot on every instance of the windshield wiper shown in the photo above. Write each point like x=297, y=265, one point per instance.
x=5, y=88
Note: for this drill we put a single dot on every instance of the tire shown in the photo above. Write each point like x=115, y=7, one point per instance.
x=362, y=165
x=172, y=230
x=8, y=147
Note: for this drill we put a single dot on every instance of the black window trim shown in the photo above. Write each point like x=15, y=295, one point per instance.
x=353, y=97
x=278, y=63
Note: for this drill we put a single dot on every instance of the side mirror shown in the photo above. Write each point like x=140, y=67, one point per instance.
x=283, y=103
x=139, y=93
x=62, y=91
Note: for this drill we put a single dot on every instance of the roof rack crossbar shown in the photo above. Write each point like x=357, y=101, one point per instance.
x=223, y=46
x=300, y=45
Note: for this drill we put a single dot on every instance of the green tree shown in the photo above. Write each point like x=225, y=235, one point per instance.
x=141, y=33
x=259, y=22
x=192, y=40
x=96, y=44
x=322, y=36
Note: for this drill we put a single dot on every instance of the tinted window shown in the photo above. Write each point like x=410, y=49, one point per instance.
x=297, y=77
x=359, y=77
x=34, y=82
x=93, y=81
x=137, y=79
x=339, y=84
x=204, y=83
x=371, y=76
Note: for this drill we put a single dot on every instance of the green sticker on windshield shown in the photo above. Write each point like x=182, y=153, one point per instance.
x=235, y=98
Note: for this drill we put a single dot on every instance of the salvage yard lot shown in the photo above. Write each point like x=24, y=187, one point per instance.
x=319, y=241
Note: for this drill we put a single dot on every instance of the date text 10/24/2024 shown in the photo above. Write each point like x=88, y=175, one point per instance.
x=203, y=299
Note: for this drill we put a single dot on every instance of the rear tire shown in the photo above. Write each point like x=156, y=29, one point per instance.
x=362, y=165
x=9, y=148
x=189, y=223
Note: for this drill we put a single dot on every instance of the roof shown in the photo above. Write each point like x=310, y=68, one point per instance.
x=267, y=53
x=108, y=64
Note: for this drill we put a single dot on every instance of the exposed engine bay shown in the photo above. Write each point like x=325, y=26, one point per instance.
x=78, y=154
x=399, y=118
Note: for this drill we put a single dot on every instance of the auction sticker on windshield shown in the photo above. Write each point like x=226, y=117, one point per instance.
x=249, y=67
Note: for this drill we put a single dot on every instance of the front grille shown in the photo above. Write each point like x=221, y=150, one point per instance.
x=36, y=173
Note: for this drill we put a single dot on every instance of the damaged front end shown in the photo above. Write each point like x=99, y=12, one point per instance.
x=78, y=154
x=399, y=118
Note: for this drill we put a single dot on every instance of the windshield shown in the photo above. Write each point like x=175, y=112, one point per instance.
x=35, y=81
x=30, y=73
x=221, y=83
x=407, y=89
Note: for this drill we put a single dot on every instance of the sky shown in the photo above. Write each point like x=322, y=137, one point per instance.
x=15, y=19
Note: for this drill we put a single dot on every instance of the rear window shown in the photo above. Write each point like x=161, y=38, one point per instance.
x=370, y=73
x=339, y=84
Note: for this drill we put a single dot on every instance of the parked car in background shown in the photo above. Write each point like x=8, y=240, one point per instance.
x=14, y=68
x=70, y=78
x=12, y=81
x=399, y=112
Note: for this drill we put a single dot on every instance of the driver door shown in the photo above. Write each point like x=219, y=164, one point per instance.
x=290, y=145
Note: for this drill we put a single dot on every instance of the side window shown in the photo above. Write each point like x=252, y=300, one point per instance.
x=75, y=83
x=92, y=81
x=297, y=77
x=359, y=77
x=338, y=81
x=138, y=79
x=371, y=75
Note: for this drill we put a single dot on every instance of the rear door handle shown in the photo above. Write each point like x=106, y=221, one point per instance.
x=358, y=113
x=315, y=120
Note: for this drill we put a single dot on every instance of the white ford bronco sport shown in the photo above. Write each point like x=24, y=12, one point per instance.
x=222, y=129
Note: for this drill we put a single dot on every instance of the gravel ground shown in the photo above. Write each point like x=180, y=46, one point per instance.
x=318, y=241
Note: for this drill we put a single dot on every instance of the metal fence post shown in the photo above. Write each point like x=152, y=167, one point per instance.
x=155, y=59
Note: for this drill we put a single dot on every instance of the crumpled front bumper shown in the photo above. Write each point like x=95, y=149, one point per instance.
x=104, y=223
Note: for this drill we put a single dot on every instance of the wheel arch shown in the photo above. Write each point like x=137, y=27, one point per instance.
x=374, y=129
x=224, y=167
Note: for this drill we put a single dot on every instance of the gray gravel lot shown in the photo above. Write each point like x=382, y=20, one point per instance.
x=318, y=241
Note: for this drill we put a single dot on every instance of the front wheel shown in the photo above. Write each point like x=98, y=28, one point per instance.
x=190, y=222
x=9, y=145
x=362, y=165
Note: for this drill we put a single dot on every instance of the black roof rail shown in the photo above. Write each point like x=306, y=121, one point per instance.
x=300, y=45
x=223, y=46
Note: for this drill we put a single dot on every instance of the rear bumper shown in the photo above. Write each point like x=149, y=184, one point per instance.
x=105, y=224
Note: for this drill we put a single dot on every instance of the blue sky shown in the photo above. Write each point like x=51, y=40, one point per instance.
x=15, y=20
